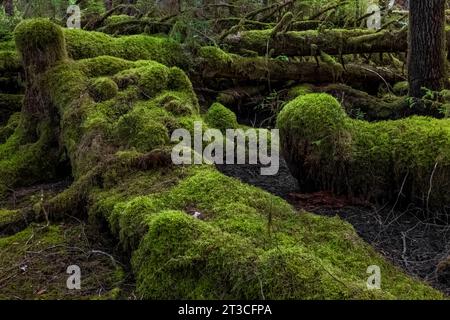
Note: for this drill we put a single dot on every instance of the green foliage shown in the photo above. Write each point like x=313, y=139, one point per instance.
x=7, y=25
x=220, y=117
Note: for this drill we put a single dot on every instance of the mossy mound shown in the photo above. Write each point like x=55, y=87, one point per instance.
x=327, y=150
x=103, y=88
x=136, y=117
x=84, y=44
x=220, y=117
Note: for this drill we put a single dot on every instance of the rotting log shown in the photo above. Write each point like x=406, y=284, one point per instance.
x=216, y=63
x=383, y=161
x=307, y=43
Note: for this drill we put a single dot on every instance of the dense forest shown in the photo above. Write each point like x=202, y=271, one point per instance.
x=224, y=149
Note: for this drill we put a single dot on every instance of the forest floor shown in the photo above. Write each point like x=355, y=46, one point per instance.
x=34, y=257
x=410, y=241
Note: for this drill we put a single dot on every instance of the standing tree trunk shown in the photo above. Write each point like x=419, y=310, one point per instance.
x=426, y=46
x=108, y=4
x=9, y=7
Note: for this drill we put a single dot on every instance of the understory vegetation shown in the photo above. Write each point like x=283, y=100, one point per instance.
x=87, y=179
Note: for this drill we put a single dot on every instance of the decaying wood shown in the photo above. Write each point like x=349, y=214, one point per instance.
x=332, y=41
x=262, y=69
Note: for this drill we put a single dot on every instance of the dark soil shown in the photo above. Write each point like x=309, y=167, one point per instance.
x=407, y=238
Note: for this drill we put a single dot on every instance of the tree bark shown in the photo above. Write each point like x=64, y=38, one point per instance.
x=108, y=4
x=9, y=7
x=426, y=46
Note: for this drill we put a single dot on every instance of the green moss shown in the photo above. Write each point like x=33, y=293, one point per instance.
x=336, y=68
x=23, y=161
x=84, y=44
x=219, y=117
x=250, y=244
x=371, y=160
x=8, y=217
x=232, y=254
x=9, y=61
x=138, y=129
x=177, y=104
x=38, y=256
x=8, y=129
x=141, y=115
x=300, y=90
x=40, y=42
x=150, y=78
x=117, y=18
x=401, y=88
x=103, y=88
x=104, y=66
x=215, y=55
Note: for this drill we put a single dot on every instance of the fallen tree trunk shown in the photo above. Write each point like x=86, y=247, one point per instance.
x=360, y=104
x=384, y=161
x=307, y=43
x=218, y=64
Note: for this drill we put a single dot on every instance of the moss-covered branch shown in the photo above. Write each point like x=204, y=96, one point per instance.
x=216, y=63
x=332, y=41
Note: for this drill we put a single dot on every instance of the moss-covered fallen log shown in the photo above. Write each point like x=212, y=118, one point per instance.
x=250, y=244
x=84, y=44
x=216, y=63
x=405, y=160
x=359, y=104
x=331, y=41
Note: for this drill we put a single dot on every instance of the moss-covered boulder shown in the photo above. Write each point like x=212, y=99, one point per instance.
x=327, y=150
